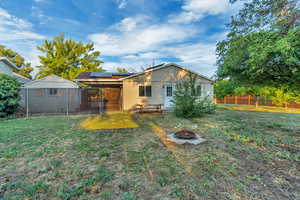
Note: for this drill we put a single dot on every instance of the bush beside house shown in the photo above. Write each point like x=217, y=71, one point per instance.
x=188, y=101
x=9, y=95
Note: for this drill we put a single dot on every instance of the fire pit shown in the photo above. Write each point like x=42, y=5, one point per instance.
x=185, y=134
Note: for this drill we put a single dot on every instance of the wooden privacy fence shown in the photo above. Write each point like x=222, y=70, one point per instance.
x=250, y=100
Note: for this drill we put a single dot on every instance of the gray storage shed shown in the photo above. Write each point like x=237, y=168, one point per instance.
x=51, y=95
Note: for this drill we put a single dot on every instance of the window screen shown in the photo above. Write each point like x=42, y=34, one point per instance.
x=145, y=91
x=141, y=91
x=148, y=91
x=169, y=91
x=52, y=91
x=199, y=90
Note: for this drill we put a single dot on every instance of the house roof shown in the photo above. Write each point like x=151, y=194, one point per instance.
x=163, y=65
x=94, y=76
x=51, y=81
x=9, y=63
x=20, y=78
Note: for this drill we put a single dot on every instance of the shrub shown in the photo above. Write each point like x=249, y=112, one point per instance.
x=9, y=95
x=187, y=100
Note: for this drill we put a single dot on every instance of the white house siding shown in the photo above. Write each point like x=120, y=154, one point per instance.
x=4, y=69
x=158, y=79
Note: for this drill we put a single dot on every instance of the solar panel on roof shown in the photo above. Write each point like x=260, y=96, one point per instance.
x=108, y=74
x=121, y=74
x=101, y=74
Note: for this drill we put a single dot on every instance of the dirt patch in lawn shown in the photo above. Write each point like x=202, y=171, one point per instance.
x=110, y=121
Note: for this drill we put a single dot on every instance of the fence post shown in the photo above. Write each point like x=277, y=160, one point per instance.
x=235, y=99
x=67, y=91
x=27, y=104
x=225, y=100
x=249, y=98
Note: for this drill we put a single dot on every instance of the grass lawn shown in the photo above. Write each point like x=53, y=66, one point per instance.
x=249, y=155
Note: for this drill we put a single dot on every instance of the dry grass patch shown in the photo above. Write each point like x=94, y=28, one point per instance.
x=109, y=121
x=260, y=108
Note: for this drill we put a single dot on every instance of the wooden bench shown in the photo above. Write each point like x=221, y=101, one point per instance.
x=142, y=108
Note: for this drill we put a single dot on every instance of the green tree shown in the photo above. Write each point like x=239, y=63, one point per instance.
x=225, y=88
x=263, y=45
x=255, y=91
x=68, y=58
x=9, y=95
x=283, y=96
x=122, y=70
x=281, y=15
x=19, y=61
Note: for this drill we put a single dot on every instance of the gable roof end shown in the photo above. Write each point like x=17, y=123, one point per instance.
x=51, y=81
x=161, y=66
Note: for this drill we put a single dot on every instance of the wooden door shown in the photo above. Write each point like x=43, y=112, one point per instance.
x=112, y=98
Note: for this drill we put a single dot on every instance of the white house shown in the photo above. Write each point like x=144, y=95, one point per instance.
x=9, y=68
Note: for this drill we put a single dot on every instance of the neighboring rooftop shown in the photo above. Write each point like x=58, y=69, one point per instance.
x=9, y=63
x=20, y=78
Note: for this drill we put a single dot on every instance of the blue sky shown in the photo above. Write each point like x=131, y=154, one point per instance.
x=128, y=33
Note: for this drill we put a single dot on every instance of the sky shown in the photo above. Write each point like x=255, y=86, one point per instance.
x=128, y=33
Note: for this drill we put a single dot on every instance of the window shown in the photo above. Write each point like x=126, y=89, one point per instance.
x=199, y=91
x=145, y=91
x=39, y=92
x=169, y=91
x=53, y=91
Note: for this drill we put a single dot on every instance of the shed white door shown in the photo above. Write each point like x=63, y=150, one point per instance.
x=169, y=92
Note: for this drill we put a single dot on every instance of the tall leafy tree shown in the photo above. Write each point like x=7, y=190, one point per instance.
x=267, y=15
x=68, y=58
x=122, y=70
x=24, y=67
x=263, y=45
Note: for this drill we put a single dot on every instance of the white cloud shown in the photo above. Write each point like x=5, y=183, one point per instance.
x=7, y=20
x=13, y=28
x=37, y=13
x=38, y=1
x=135, y=35
x=18, y=35
x=194, y=10
x=138, y=42
x=198, y=57
x=121, y=3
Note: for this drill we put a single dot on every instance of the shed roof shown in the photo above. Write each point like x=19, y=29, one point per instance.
x=51, y=81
